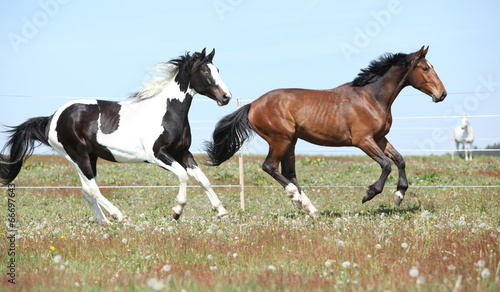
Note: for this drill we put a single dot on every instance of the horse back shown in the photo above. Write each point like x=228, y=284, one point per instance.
x=335, y=117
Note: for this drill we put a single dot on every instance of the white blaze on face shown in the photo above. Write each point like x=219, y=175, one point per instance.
x=218, y=79
x=429, y=64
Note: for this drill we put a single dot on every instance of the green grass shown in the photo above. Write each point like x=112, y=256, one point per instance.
x=449, y=234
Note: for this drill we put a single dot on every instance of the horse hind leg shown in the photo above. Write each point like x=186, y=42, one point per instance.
x=86, y=168
x=288, y=171
x=277, y=150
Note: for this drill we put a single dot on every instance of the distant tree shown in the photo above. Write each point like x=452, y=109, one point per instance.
x=489, y=153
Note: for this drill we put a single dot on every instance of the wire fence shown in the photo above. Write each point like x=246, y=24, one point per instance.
x=239, y=186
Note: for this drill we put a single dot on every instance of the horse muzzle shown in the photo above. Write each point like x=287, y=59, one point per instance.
x=224, y=100
x=439, y=97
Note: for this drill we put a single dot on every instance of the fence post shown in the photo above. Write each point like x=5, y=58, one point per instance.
x=240, y=163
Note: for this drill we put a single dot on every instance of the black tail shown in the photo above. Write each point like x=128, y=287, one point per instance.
x=21, y=144
x=228, y=136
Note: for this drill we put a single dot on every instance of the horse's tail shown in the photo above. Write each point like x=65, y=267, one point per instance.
x=21, y=144
x=229, y=135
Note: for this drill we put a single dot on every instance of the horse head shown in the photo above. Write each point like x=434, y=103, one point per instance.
x=205, y=79
x=465, y=123
x=423, y=77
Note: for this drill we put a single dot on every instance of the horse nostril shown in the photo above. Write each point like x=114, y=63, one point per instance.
x=443, y=95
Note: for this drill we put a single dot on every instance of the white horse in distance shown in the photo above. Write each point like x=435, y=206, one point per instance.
x=464, y=135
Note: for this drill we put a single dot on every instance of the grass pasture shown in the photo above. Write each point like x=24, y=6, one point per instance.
x=440, y=239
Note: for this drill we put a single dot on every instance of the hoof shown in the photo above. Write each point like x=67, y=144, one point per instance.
x=221, y=212
x=175, y=215
x=118, y=216
x=223, y=216
x=398, y=197
x=315, y=215
x=365, y=199
x=105, y=223
x=298, y=204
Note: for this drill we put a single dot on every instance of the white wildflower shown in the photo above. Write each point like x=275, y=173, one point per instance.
x=414, y=272
x=166, y=268
x=485, y=274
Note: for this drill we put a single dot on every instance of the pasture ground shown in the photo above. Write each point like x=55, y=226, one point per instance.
x=440, y=239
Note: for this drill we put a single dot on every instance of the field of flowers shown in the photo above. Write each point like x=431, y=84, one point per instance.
x=440, y=239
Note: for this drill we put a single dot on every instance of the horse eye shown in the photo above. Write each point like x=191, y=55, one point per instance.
x=206, y=72
x=425, y=69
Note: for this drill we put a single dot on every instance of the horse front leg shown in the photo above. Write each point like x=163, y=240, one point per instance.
x=397, y=158
x=166, y=161
x=195, y=172
x=469, y=149
x=373, y=150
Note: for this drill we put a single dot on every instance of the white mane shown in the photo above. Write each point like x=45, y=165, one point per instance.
x=157, y=83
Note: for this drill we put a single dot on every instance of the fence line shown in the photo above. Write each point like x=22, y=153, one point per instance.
x=246, y=186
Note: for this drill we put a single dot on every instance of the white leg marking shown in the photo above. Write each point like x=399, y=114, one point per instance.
x=399, y=194
x=293, y=193
x=94, y=206
x=308, y=206
x=200, y=177
x=110, y=208
x=181, y=199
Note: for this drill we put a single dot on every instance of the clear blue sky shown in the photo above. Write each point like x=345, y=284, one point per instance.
x=102, y=49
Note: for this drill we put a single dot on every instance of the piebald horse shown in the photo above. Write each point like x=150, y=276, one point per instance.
x=151, y=126
x=357, y=113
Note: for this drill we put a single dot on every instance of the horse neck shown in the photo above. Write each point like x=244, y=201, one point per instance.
x=386, y=89
x=173, y=92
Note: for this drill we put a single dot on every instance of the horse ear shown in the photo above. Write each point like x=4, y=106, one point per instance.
x=210, y=56
x=425, y=51
x=200, y=58
x=202, y=54
x=418, y=54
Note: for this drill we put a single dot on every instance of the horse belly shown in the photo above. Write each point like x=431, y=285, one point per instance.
x=324, y=134
x=326, y=139
x=131, y=142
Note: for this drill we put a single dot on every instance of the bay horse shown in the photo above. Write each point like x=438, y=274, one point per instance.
x=464, y=135
x=354, y=114
x=150, y=126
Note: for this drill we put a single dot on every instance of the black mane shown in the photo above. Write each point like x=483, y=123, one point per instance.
x=184, y=65
x=380, y=66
